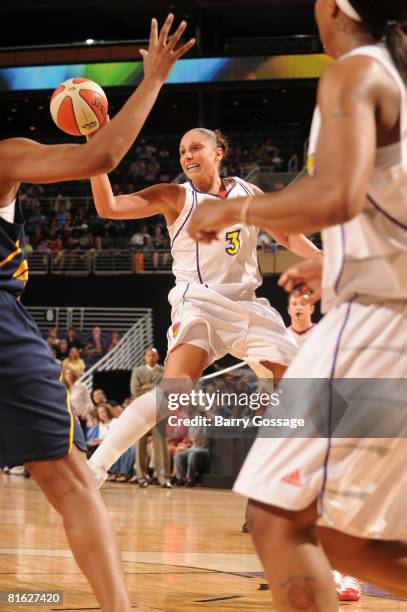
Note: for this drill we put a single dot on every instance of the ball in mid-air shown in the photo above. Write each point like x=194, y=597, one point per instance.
x=79, y=106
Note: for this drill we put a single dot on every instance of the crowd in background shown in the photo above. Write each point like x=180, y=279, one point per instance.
x=62, y=218
x=80, y=352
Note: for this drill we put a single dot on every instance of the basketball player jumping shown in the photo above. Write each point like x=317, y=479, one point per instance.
x=37, y=425
x=214, y=307
x=353, y=488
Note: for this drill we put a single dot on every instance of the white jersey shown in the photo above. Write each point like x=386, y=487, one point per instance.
x=367, y=256
x=228, y=265
x=301, y=337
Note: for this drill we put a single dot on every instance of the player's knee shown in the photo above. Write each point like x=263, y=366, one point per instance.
x=63, y=477
x=279, y=523
x=343, y=551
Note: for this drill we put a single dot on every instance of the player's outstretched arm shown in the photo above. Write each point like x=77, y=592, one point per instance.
x=165, y=199
x=348, y=99
x=24, y=160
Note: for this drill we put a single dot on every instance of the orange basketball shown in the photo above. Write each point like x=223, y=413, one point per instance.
x=79, y=106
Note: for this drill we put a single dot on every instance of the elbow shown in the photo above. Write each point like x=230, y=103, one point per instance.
x=106, y=163
x=101, y=162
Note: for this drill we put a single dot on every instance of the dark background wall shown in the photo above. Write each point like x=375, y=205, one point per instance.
x=144, y=291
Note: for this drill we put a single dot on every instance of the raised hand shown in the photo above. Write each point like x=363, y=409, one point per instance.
x=305, y=278
x=162, y=53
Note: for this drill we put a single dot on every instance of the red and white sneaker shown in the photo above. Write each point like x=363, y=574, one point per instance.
x=347, y=587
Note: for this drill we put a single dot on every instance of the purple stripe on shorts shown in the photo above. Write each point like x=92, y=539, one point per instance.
x=331, y=377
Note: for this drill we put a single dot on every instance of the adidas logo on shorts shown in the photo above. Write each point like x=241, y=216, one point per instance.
x=294, y=478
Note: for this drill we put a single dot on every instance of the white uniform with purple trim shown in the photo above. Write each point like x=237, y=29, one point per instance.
x=360, y=483
x=214, y=305
x=301, y=337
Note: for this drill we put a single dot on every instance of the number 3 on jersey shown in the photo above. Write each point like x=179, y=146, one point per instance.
x=233, y=242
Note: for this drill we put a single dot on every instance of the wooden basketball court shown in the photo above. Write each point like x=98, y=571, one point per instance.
x=183, y=550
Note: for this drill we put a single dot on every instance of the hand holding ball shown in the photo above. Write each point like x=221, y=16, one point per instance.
x=79, y=106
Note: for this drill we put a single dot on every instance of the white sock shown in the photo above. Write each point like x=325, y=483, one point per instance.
x=136, y=420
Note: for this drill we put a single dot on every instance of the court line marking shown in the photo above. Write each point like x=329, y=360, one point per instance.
x=236, y=563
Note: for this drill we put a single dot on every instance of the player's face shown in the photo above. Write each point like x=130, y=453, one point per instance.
x=198, y=157
x=298, y=310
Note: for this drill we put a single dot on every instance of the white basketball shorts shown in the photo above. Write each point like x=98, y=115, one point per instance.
x=250, y=330
x=360, y=483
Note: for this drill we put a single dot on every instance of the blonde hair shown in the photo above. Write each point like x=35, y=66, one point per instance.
x=218, y=139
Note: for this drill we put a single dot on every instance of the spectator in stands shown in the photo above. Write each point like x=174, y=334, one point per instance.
x=159, y=243
x=52, y=337
x=92, y=432
x=137, y=239
x=114, y=341
x=36, y=236
x=98, y=342
x=144, y=378
x=192, y=461
x=62, y=349
x=73, y=339
x=122, y=470
x=99, y=398
x=43, y=246
x=79, y=396
x=52, y=232
x=74, y=362
x=57, y=247
x=28, y=246
x=152, y=170
x=148, y=251
x=85, y=237
x=62, y=216
x=137, y=170
x=80, y=217
x=55, y=356
x=177, y=436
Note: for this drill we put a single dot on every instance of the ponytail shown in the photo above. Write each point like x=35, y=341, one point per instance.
x=395, y=40
x=386, y=21
x=222, y=142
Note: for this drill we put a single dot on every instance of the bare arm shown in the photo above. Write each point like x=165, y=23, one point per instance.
x=296, y=243
x=159, y=199
x=344, y=161
x=24, y=160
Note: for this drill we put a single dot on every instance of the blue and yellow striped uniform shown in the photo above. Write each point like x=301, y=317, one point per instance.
x=13, y=256
x=36, y=419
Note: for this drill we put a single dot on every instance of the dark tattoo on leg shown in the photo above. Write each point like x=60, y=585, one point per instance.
x=299, y=591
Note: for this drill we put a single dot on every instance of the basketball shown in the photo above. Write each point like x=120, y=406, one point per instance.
x=79, y=106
